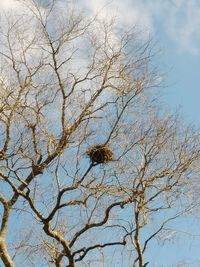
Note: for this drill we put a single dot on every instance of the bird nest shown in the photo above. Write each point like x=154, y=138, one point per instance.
x=100, y=154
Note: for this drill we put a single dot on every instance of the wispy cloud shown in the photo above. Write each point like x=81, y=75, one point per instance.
x=8, y=4
x=129, y=13
x=184, y=24
x=180, y=19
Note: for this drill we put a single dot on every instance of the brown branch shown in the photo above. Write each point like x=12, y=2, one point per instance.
x=102, y=222
x=67, y=189
x=86, y=250
x=4, y=225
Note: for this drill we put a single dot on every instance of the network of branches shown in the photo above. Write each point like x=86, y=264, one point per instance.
x=92, y=169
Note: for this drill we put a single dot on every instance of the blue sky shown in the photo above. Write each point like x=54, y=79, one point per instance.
x=175, y=25
x=182, y=64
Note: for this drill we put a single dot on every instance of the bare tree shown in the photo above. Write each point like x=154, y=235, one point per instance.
x=88, y=158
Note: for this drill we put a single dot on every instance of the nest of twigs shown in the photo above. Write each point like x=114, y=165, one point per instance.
x=100, y=154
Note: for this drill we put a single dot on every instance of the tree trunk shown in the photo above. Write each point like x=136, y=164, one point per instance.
x=4, y=255
x=71, y=262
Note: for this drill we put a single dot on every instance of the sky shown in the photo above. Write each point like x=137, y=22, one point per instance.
x=174, y=25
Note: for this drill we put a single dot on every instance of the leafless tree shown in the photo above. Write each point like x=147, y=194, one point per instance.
x=72, y=88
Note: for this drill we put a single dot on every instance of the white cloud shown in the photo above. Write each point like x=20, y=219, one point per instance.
x=180, y=19
x=8, y=4
x=184, y=24
x=128, y=13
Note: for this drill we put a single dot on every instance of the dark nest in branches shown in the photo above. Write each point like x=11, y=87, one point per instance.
x=100, y=154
